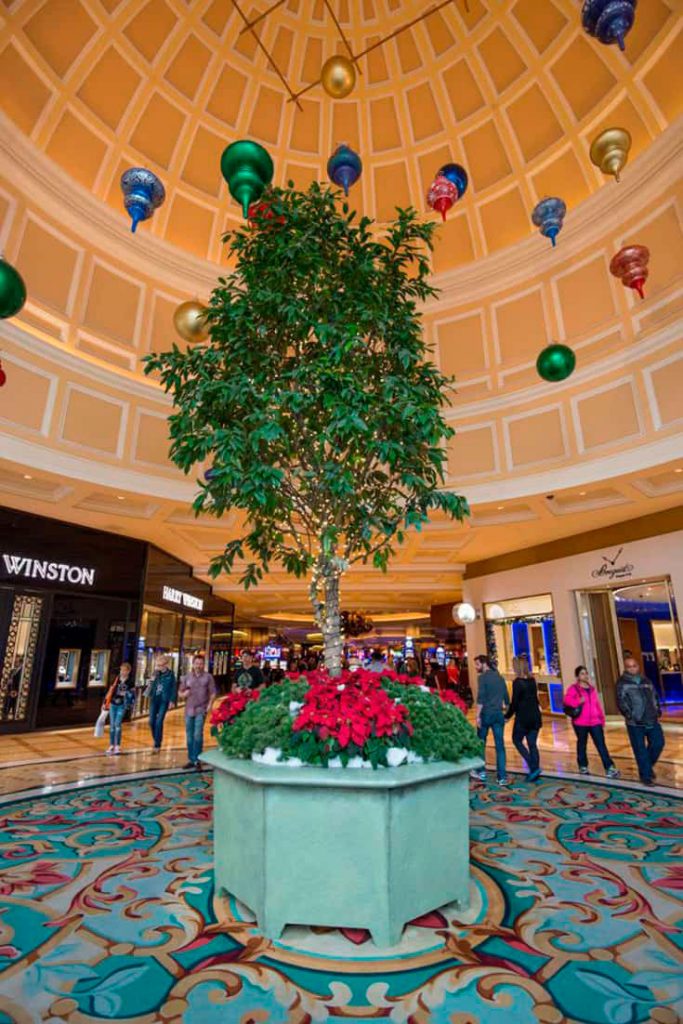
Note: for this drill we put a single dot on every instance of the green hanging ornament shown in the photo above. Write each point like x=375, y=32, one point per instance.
x=556, y=362
x=248, y=169
x=12, y=290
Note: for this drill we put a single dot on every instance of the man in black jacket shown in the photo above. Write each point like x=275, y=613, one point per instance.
x=639, y=704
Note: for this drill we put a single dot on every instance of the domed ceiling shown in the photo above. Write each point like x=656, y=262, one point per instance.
x=512, y=89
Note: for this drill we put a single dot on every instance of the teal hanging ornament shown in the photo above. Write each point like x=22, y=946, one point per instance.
x=344, y=167
x=12, y=290
x=548, y=215
x=455, y=174
x=556, y=362
x=248, y=168
x=143, y=193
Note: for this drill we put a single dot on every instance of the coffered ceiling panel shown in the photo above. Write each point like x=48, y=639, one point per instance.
x=512, y=88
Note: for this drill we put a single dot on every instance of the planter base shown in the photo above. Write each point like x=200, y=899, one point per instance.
x=339, y=847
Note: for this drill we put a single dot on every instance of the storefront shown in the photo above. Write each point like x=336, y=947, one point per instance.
x=593, y=607
x=76, y=602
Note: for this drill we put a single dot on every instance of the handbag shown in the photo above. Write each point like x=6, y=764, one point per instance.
x=571, y=711
x=100, y=723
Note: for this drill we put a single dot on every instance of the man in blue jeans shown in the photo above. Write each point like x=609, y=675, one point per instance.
x=638, y=702
x=492, y=700
x=200, y=689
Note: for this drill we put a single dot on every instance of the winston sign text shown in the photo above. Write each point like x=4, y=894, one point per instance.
x=41, y=569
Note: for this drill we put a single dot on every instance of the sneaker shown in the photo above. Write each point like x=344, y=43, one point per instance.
x=584, y=771
x=504, y=782
x=532, y=776
x=613, y=773
x=189, y=764
x=199, y=766
x=647, y=782
x=155, y=750
x=478, y=776
x=109, y=751
x=117, y=750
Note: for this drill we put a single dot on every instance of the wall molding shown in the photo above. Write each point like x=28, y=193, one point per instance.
x=95, y=222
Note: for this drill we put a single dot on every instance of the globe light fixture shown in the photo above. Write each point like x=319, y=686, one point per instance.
x=464, y=613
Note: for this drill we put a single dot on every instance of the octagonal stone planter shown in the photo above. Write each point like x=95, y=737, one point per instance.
x=350, y=848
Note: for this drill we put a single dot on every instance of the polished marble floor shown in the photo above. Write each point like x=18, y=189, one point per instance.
x=54, y=758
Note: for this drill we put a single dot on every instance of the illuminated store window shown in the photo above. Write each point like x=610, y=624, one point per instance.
x=524, y=629
x=20, y=653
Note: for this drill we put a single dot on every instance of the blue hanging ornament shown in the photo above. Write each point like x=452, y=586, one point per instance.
x=143, y=193
x=609, y=21
x=457, y=175
x=344, y=167
x=548, y=215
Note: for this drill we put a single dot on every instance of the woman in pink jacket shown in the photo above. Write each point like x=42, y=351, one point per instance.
x=590, y=721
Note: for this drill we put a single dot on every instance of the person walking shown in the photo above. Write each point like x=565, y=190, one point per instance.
x=120, y=696
x=588, y=719
x=249, y=676
x=162, y=696
x=524, y=707
x=199, y=687
x=638, y=701
x=492, y=698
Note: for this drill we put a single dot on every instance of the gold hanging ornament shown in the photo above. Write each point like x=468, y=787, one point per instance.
x=338, y=76
x=610, y=150
x=189, y=320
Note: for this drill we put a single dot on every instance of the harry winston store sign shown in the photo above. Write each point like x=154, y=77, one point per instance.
x=41, y=569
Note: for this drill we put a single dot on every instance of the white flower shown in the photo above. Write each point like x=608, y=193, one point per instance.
x=396, y=756
x=425, y=688
x=414, y=758
x=342, y=686
x=295, y=707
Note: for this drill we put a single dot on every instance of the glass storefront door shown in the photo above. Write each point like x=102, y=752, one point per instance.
x=638, y=619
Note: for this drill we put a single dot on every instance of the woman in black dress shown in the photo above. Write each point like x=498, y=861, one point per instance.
x=527, y=714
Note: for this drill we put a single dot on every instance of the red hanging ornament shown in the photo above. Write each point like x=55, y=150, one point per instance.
x=3, y=376
x=630, y=264
x=442, y=195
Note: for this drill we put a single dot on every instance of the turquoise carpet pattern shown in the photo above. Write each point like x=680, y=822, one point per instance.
x=108, y=912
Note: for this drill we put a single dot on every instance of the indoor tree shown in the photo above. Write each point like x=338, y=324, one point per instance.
x=314, y=400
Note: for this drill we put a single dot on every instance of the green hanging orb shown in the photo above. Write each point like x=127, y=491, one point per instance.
x=12, y=290
x=556, y=362
x=248, y=168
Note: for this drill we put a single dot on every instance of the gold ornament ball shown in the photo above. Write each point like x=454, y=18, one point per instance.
x=338, y=76
x=610, y=150
x=190, y=321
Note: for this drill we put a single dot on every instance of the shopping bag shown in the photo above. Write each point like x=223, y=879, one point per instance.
x=100, y=724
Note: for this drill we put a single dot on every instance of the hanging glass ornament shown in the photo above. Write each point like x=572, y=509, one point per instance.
x=631, y=265
x=248, y=168
x=344, y=167
x=12, y=290
x=338, y=76
x=143, y=193
x=609, y=21
x=457, y=175
x=609, y=151
x=3, y=376
x=548, y=215
x=190, y=322
x=442, y=195
x=556, y=362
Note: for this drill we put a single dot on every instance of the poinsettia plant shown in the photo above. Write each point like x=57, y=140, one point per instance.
x=356, y=718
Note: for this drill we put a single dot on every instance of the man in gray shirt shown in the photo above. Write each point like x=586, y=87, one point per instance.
x=200, y=689
x=492, y=700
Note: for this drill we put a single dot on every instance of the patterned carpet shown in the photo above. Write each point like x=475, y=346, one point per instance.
x=107, y=912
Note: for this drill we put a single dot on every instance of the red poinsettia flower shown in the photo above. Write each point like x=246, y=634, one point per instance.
x=351, y=708
x=232, y=705
x=451, y=697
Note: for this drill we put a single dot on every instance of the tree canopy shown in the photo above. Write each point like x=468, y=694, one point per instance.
x=314, y=399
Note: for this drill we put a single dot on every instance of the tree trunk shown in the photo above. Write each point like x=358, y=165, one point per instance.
x=327, y=615
x=331, y=627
